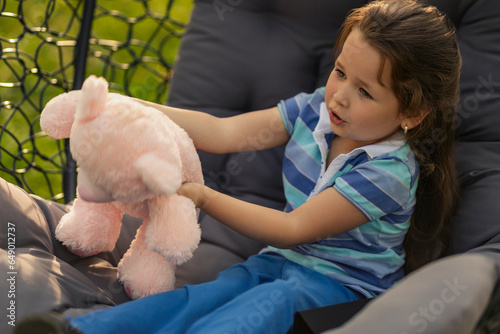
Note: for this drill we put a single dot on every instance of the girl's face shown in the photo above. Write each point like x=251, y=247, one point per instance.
x=361, y=108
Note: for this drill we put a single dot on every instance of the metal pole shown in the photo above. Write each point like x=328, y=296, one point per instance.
x=81, y=52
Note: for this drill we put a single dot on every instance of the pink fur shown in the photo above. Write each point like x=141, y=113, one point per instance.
x=136, y=157
x=59, y=115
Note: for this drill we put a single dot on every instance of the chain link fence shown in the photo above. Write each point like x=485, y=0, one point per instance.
x=48, y=47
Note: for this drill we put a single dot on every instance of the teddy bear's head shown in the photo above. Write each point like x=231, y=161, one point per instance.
x=125, y=150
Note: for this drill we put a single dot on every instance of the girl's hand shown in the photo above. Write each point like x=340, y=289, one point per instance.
x=195, y=192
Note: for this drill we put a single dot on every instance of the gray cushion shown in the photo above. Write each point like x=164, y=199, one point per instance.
x=446, y=297
x=47, y=276
x=478, y=149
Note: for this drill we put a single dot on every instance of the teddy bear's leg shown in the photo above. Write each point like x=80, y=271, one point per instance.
x=143, y=272
x=173, y=230
x=90, y=228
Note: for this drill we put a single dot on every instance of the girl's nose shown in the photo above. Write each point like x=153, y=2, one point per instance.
x=340, y=97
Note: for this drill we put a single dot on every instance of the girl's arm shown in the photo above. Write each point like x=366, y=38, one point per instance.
x=328, y=213
x=253, y=131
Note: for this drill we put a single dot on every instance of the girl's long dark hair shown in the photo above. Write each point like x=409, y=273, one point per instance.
x=421, y=47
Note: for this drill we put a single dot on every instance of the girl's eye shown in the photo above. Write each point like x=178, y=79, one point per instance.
x=340, y=74
x=365, y=94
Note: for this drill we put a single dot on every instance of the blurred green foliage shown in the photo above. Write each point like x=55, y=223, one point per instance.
x=133, y=44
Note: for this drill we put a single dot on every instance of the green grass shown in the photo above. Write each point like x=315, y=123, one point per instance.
x=133, y=45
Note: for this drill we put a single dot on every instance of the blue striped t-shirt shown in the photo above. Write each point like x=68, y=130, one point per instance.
x=379, y=179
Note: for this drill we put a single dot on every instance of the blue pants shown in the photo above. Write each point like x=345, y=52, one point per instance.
x=258, y=296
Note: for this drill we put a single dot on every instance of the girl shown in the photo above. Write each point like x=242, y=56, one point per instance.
x=355, y=152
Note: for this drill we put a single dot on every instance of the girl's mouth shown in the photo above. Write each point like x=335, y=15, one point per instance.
x=335, y=119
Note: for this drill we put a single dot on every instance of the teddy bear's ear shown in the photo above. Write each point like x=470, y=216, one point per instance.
x=58, y=115
x=93, y=100
x=162, y=176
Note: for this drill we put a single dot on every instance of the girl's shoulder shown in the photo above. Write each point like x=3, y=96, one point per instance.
x=304, y=100
x=392, y=152
x=400, y=163
x=396, y=165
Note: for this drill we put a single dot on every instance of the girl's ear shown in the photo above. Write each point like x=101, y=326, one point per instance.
x=413, y=121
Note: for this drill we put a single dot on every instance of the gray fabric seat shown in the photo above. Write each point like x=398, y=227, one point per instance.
x=248, y=55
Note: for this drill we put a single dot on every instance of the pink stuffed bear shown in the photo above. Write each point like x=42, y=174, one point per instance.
x=132, y=159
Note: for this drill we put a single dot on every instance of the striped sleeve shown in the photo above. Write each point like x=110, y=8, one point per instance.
x=291, y=108
x=377, y=187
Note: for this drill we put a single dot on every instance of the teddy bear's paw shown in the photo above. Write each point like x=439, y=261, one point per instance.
x=80, y=250
x=178, y=257
x=89, y=228
x=178, y=233
x=82, y=253
x=177, y=248
x=77, y=243
x=128, y=291
x=146, y=288
x=145, y=273
x=139, y=293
